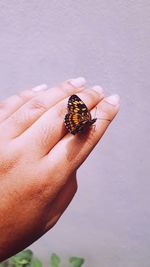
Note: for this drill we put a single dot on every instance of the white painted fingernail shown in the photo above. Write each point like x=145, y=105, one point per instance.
x=78, y=82
x=98, y=89
x=113, y=100
x=40, y=87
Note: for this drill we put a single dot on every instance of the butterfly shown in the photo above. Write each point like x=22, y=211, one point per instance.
x=78, y=117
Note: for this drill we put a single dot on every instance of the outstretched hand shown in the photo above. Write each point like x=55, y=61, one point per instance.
x=39, y=158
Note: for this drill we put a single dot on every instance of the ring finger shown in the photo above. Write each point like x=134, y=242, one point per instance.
x=27, y=114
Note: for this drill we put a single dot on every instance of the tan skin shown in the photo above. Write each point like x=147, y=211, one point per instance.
x=39, y=160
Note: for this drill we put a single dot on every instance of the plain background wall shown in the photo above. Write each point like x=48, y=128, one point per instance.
x=108, y=42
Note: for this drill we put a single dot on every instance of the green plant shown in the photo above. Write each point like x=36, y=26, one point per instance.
x=76, y=262
x=26, y=258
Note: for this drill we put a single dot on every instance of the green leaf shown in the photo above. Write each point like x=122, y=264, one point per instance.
x=24, y=255
x=76, y=261
x=36, y=262
x=55, y=260
x=22, y=258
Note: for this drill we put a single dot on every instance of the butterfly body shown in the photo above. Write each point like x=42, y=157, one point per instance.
x=78, y=117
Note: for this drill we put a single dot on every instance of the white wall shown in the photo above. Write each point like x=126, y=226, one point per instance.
x=108, y=42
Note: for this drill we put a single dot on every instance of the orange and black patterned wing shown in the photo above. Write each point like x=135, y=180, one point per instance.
x=78, y=117
x=76, y=105
x=73, y=122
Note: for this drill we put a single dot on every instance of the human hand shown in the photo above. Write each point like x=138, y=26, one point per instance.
x=39, y=158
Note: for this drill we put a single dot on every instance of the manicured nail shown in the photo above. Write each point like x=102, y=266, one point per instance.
x=98, y=89
x=78, y=82
x=40, y=87
x=113, y=100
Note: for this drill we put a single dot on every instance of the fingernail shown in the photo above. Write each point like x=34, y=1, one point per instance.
x=113, y=100
x=78, y=82
x=40, y=87
x=98, y=89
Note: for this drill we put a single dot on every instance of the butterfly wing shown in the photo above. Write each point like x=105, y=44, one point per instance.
x=73, y=122
x=78, y=117
x=76, y=105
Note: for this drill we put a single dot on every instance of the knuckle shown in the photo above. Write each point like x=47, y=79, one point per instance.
x=21, y=117
x=9, y=160
x=107, y=112
x=66, y=88
x=93, y=96
x=24, y=95
x=62, y=109
x=45, y=131
x=37, y=104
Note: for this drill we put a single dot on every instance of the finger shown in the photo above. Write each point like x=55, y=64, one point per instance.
x=50, y=128
x=25, y=116
x=14, y=102
x=61, y=202
x=71, y=150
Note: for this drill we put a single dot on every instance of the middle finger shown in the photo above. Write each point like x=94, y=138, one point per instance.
x=49, y=129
